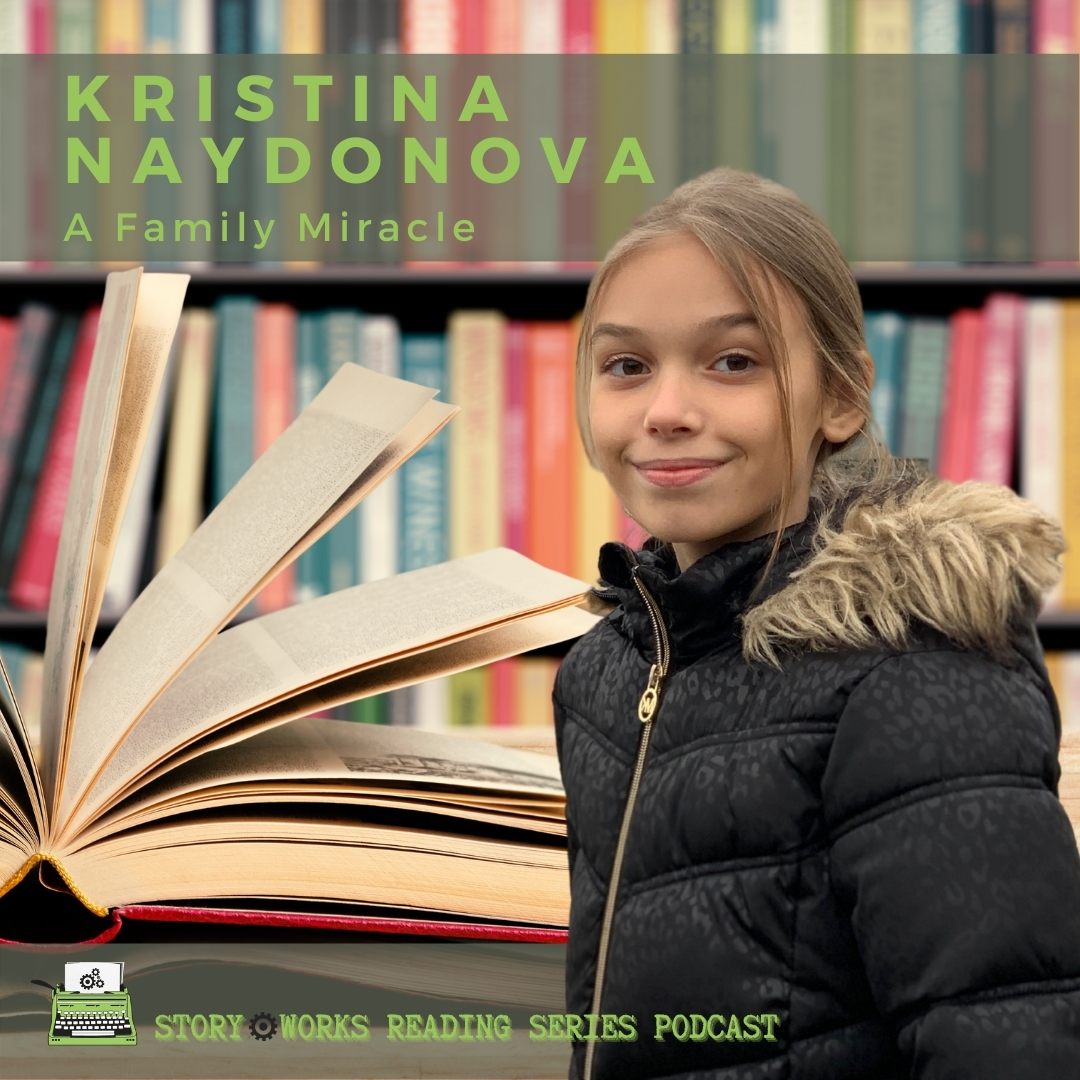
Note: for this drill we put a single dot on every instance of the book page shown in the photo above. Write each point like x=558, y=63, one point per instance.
x=427, y=423
x=16, y=806
x=331, y=856
x=131, y=536
x=13, y=858
x=20, y=780
x=273, y=508
x=316, y=749
x=448, y=658
x=471, y=651
x=138, y=321
x=257, y=795
x=67, y=598
x=277, y=655
x=372, y=765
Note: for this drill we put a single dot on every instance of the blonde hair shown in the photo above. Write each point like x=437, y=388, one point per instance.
x=764, y=237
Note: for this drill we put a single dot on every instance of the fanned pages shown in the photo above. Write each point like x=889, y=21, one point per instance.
x=274, y=658
x=537, y=631
x=184, y=763
x=276, y=505
x=20, y=783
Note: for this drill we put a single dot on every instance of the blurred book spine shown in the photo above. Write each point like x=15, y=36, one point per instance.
x=120, y=26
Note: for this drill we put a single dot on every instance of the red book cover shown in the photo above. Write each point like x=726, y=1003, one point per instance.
x=502, y=692
x=41, y=26
x=415, y=927
x=31, y=579
x=275, y=362
x=288, y=920
x=577, y=27
x=956, y=448
x=995, y=413
x=409, y=30
x=515, y=440
x=550, y=472
x=8, y=330
x=36, y=323
x=1052, y=26
x=470, y=26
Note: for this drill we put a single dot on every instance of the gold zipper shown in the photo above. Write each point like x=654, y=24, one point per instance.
x=647, y=706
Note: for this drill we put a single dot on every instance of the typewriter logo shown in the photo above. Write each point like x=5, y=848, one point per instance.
x=93, y=1008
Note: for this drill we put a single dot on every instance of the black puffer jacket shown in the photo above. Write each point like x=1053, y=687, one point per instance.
x=859, y=852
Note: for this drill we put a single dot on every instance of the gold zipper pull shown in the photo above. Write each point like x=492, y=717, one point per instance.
x=651, y=697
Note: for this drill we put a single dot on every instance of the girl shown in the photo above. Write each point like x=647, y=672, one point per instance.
x=811, y=755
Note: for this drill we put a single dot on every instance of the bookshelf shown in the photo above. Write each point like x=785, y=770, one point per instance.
x=422, y=298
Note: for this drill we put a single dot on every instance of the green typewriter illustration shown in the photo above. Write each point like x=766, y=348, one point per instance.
x=94, y=1007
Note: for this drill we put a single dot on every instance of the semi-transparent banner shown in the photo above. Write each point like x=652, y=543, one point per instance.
x=383, y=159
x=464, y=1009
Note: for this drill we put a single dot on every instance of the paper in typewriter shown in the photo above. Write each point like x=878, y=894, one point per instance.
x=356, y=431
x=94, y=976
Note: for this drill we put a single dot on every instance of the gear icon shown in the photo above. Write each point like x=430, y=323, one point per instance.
x=262, y=1026
x=93, y=980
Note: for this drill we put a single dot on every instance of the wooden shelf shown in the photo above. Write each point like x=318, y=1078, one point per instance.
x=996, y=275
x=420, y=299
x=1058, y=630
x=423, y=297
x=1068, y=620
x=989, y=275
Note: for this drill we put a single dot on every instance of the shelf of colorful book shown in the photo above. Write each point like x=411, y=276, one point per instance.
x=567, y=26
x=500, y=342
x=421, y=298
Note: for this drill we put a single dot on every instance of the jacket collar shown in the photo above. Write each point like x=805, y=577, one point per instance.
x=702, y=606
x=882, y=549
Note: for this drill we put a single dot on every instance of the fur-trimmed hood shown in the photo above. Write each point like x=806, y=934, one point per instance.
x=970, y=560
x=884, y=547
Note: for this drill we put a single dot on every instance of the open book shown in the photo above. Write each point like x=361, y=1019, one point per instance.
x=180, y=766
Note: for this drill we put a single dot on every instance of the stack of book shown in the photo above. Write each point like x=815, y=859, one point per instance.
x=513, y=26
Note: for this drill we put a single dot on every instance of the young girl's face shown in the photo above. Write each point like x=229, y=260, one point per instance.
x=683, y=404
